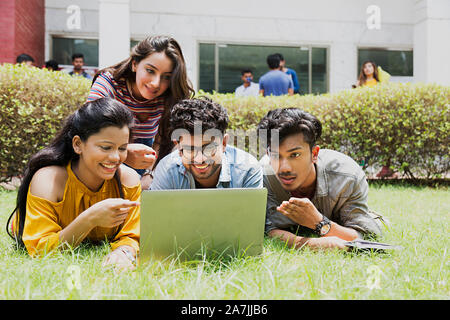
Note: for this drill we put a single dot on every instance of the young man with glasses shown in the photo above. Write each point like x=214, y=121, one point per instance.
x=311, y=192
x=202, y=158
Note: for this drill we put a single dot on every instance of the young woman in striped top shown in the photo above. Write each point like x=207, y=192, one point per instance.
x=149, y=83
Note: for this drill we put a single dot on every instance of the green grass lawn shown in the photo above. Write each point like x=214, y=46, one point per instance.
x=419, y=222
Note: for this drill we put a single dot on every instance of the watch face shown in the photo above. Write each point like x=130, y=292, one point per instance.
x=325, y=228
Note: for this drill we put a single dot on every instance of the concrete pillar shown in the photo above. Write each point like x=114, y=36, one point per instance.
x=431, y=41
x=114, y=31
x=188, y=46
x=342, y=70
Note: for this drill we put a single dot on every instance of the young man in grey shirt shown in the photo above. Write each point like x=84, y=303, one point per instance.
x=322, y=192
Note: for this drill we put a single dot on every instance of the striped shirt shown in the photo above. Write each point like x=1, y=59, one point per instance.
x=106, y=86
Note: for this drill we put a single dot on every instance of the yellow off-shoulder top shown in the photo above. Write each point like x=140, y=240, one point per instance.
x=45, y=219
x=371, y=83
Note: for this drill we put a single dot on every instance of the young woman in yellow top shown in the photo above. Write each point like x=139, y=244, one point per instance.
x=76, y=188
x=368, y=76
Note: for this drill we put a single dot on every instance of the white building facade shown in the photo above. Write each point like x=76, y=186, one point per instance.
x=325, y=41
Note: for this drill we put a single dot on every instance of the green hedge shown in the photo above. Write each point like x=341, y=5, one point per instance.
x=33, y=103
x=405, y=125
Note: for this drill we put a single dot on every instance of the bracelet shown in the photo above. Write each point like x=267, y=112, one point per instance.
x=129, y=255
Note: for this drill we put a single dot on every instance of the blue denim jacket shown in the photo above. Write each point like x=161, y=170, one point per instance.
x=239, y=170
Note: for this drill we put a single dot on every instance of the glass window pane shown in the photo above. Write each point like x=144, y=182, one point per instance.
x=234, y=58
x=207, y=71
x=319, y=70
x=301, y=67
x=133, y=43
x=63, y=48
x=396, y=63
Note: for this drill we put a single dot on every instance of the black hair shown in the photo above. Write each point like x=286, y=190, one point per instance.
x=187, y=112
x=52, y=64
x=273, y=61
x=77, y=55
x=291, y=121
x=86, y=121
x=280, y=56
x=24, y=58
x=244, y=71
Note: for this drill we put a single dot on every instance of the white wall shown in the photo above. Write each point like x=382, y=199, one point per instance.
x=114, y=32
x=56, y=17
x=337, y=24
x=432, y=41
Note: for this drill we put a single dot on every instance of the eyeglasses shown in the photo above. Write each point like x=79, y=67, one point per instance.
x=208, y=150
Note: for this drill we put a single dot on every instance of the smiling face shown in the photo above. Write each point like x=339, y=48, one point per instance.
x=368, y=69
x=152, y=76
x=101, y=155
x=202, y=157
x=293, y=163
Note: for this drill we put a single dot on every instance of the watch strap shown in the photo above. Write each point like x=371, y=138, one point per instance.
x=148, y=172
x=319, y=226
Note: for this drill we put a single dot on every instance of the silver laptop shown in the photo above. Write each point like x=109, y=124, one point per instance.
x=191, y=224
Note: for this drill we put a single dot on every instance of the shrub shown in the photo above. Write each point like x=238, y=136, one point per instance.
x=33, y=104
x=403, y=125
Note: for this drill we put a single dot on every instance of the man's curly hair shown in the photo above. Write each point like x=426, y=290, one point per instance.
x=187, y=112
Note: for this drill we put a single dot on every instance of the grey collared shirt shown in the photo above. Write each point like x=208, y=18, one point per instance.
x=341, y=194
x=239, y=170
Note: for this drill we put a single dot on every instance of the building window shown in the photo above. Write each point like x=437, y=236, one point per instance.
x=396, y=62
x=133, y=43
x=64, y=48
x=319, y=79
x=207, y=68
x=221, y=64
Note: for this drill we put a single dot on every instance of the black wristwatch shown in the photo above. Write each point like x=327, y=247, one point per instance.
x=148, y=172
x=323, y=227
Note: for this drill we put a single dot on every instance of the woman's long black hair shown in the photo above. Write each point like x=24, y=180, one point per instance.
x=89, y=119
